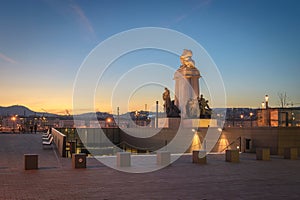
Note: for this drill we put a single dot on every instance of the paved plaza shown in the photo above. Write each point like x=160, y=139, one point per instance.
x=56, y=179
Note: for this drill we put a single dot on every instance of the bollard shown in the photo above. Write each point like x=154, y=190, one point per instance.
x=232, y=156
x=199, y=157
x=79, y=160
x=123, y=159
x=30, y=161
x=291, y=153
x=263, y=154
x=163, y=158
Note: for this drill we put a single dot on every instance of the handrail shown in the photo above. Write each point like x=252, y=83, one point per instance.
x=232, y=143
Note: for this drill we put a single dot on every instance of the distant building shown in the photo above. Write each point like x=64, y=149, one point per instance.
x=278, y=117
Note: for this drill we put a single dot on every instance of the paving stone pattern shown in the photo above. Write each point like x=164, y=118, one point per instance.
x=56, y=179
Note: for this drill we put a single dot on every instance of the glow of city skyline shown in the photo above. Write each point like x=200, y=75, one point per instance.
x=255, y=45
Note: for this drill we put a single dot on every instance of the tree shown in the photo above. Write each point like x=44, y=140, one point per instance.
x=283, y=99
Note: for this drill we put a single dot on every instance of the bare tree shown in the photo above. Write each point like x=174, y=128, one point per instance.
x=283, y=99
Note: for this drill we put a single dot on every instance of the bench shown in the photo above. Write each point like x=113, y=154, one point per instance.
x=48, y=143
x=47, y=138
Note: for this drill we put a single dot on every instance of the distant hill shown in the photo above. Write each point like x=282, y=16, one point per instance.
x=22, y=111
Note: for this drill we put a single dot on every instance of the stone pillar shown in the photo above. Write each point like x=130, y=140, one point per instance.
x=123, y=159
x=291, y=153
x=163, y=158
x=263, y=154
x=232, y=156
x=186, y=87
x=30, y=161
x=79, y=160
x=199, y=157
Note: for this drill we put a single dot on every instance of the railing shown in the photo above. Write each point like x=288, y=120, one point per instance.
x=239, y=139
x=60, y=141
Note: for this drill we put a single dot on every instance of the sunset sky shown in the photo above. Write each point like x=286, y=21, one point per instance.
x=255, y=44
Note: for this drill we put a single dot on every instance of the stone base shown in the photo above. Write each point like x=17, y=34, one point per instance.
x=204, y=123
x=79, y=160
x=163, y=158
x=291, y=153
x=169, y=122
x=199, y=157
x=232, y=156
x=30, y=161
x=263, y=154
x=123, y=159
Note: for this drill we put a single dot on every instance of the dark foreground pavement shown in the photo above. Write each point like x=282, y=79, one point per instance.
x=55, y=178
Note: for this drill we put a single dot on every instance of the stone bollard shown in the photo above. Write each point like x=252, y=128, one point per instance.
x=262, y=153
x=291, y=153
x=79, y=160
x=199, y=157
x=30, y=161
x=123, y=159
x=163, y=158
x=232, y=156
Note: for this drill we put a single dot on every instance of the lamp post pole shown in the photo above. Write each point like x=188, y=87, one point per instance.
x=118, y=113
x=156, y=118
x=242, y=117
x=267, y=110
x=251, y=114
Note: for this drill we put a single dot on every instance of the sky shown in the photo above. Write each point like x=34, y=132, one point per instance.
x=255, y=45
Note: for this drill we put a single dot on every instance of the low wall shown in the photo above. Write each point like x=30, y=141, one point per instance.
x=288, y=137
x=272, y=137
x=151, y=139
x=60, y=141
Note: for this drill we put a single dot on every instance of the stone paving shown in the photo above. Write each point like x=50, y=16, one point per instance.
x=55, y=178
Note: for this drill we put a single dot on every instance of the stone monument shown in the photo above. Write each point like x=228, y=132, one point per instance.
x=187, y=104
x=187, y=85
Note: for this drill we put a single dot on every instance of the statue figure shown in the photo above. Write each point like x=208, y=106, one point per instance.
x=167, y=99
x=170, y=108
x=205, y=110
x=192, y=108
x=186, y=59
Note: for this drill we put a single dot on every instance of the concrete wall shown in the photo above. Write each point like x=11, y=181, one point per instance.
x=288, y=137
x=60, y=141
x=151, y=139
x=273, y=137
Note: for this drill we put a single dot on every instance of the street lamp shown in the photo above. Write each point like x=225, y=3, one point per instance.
x=108, y=120
x=262, y=105
x=242, y=117
x=251, y=114
x=136, y=117
x=267, y=101
x=13, y=118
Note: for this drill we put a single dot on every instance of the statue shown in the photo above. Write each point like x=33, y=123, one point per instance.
x=192, y=108
x=170, y=108
x=198, y=108
x=167, y=99
x=186, y=59
x=205, y=110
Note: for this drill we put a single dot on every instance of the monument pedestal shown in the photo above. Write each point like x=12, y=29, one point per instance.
x=168, y=123
x=186, y=87
x=204, y=123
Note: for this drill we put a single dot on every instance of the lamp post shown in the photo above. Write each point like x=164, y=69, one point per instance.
x=242, y=117
x=267, y=101
x=13, y=118
x=156, y=118
x=251, y=114
x=118, y=117
x=267, y=110
x=136, y=117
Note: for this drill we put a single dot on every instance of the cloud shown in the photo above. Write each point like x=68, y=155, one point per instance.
x=83, y=18
x=7, y=59
x=202, y=4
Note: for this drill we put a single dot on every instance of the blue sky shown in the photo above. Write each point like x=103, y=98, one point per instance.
x=255, y=45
